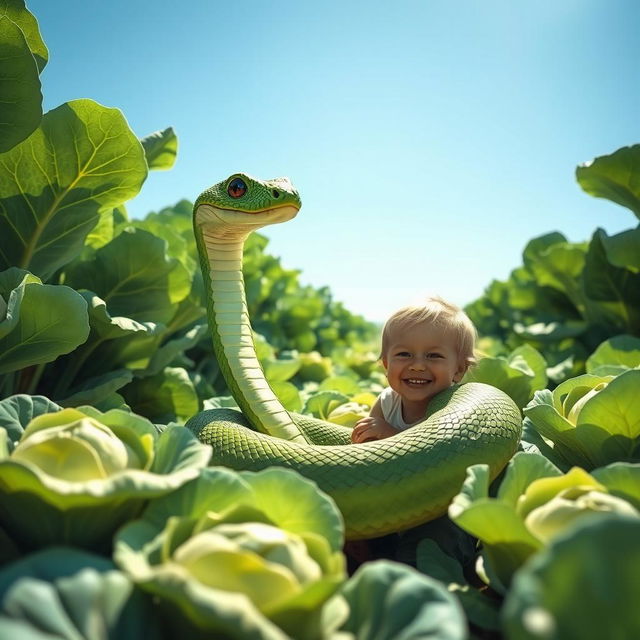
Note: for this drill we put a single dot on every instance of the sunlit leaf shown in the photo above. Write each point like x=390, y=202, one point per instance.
x=615, y=355
x=163, y=397
x=615, y=177
x=21, y=105
x=16, y=11
x=160, y=149
x=42, y=322
x=81, y=160
x=134, y=276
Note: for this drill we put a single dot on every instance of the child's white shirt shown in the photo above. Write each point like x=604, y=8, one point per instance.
x=391, y=405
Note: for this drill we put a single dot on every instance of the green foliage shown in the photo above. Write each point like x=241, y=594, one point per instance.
x=81, y=595
x=615, y=356
x=567, y=298
x=40, y=321
x=481, y=611
x=394, y=602
x=534, y=504
x=161, y=149
x=239, y=555
x=104, y=346
x=590, y=420
x=519, y=374
x=23, y=56
x=584, y=585
x=81, y=160
x=84, y=472
x=614, y=177
x=131, y=312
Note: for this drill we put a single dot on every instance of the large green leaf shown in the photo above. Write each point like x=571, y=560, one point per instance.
x=160, y=149
x=591, y=420
x=554, y=331
x=280, y=370
x=21, y=104
x=507, y=542
x=180, y=218
x=168, y=352
x=494, y=521
x=114, y=343
x=615, y=355
x=615, y=177
x=42, y=321
x=584, y=585
x=82, y=160
x=521, y=471
x=110, y=327
x=342, y=384
x=180, y=245
x=163, y=397
x=323, y=403
x=539, y=245
x=616, y=409
x=606, y=282
x=13, y=283
x=621, y=479
x=134, y=276
x=533, y=442
x=536, y=504
x=23, y=55
x=559, y=267
x=17, y=411
x=16, y=11
x=391, y=601
x=623, y=249
x=95, y=390
x=480, y=609
x=519, y=375
x=64, y=594
x=306, y=508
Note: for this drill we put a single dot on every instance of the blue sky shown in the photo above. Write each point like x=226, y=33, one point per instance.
x=430, y=139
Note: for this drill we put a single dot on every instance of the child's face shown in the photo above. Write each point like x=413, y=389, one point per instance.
x=421, y=361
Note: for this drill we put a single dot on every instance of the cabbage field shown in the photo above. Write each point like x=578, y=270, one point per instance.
x=112, y=524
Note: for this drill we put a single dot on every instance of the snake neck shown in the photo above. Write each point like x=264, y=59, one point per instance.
x=221, y=255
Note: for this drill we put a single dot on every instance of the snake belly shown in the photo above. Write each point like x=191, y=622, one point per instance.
x=381, y=486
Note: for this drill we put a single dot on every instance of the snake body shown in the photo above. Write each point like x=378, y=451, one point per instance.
x=380, y=486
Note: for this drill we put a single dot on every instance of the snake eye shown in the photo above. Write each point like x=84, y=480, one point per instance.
x=237, y=188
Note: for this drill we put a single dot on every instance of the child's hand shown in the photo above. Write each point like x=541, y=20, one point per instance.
x=371, y=428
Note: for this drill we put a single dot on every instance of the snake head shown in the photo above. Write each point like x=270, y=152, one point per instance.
x=242, y=202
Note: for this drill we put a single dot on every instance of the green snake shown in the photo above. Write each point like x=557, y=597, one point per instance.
x=381, y=486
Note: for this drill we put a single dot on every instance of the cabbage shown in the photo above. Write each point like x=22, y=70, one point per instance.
x=241, y=555
x=590, y=420
x=535, y=503
x=84, y=473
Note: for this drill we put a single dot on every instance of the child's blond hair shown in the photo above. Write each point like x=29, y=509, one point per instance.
x=441, y=313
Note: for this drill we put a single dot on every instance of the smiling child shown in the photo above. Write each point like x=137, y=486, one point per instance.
x=425, y=349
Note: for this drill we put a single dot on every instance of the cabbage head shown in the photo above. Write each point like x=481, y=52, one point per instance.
x=589, y=421
x=240, y=555
x=535, y=504
x=74, y=476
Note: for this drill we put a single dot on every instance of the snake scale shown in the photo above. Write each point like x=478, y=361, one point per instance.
x=381, y=486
